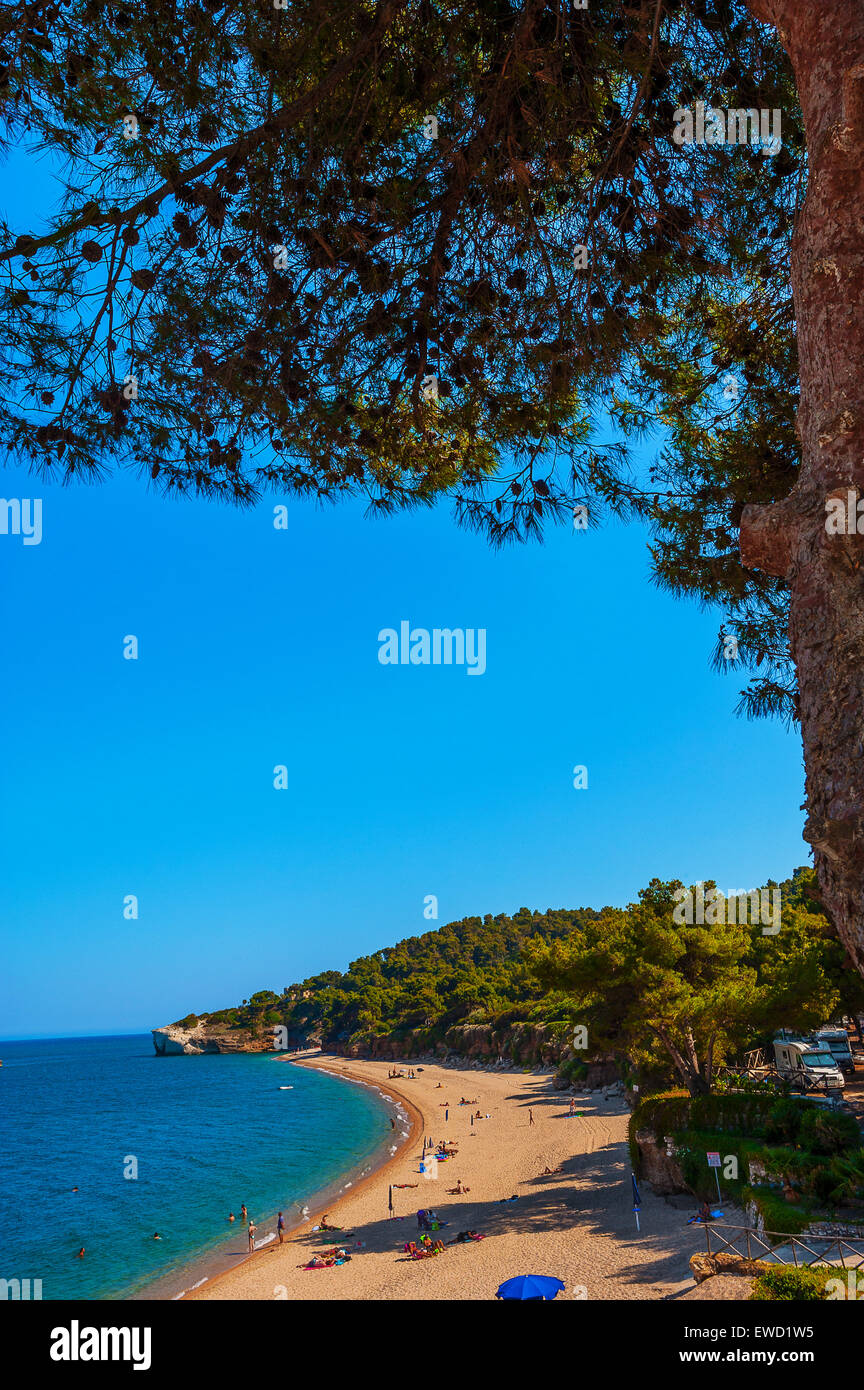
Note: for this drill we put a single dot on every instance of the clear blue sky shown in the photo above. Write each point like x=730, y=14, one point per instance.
x=259, y=647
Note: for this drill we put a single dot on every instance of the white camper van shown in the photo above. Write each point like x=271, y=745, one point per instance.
x=837, y=1042
x=809, y=1066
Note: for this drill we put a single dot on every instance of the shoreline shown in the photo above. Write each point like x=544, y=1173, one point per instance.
x=318, y=1204
x=545, y=1187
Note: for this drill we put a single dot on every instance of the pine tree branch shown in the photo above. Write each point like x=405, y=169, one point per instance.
x=237, y=149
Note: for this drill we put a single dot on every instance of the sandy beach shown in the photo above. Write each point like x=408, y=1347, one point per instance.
x=575, y=1223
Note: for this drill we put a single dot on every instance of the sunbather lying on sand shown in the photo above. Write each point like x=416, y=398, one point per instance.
x=425, y=1248
x=465, y=1235
x=327, y=1260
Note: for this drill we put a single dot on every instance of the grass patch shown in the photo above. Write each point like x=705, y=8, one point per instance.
x=785, y=1284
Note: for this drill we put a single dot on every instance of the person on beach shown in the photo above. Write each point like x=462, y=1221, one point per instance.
x=572, y=1110
x=243, y=1212
x=530, y=1118
x=251, y=1236
x=280, y=1227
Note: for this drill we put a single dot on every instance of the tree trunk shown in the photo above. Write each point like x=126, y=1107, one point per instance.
x=825, y=43
x=688, y=1070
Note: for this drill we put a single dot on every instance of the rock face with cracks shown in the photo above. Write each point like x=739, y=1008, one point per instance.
x=176, y=1040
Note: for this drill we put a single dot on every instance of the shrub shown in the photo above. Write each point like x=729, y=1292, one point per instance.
x=780, y=1218
x=848, y=1171
x=726, y=1112
x=828, y=1132
x=733, y=1113
x=825, y=1183
x=784, y=1283
x=573, y=1070
x=784, y=1123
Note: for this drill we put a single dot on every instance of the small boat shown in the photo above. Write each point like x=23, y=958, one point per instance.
x=286, y=1088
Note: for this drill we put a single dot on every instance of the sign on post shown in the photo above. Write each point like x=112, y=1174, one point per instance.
x=714, y=1162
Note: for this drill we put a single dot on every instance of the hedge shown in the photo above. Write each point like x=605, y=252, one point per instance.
x=784, y=1283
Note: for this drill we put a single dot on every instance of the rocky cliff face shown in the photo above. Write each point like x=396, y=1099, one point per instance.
x=203, y=1037
x=657, y=1163
x=477, y=1045
x=483, y=1046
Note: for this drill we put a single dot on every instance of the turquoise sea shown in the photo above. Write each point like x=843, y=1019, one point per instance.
x=205, y=1133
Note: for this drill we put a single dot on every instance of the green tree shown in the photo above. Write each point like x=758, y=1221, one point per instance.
x=263, y=274
x=640, y=980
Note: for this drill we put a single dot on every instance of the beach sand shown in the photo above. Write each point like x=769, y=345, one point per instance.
x=576, y=1224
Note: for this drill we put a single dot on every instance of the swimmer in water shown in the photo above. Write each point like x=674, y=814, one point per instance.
x=74, y=1189
x=80, y=1254
x=243, y=1212
x=231, y=1216
x=156, y=1235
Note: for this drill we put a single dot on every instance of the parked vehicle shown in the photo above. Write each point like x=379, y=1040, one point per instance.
x=808, y=1066
x=837, y=1042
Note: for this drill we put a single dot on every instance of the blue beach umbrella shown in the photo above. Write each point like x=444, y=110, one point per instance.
x=530, y=1287
x=637, y=1200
